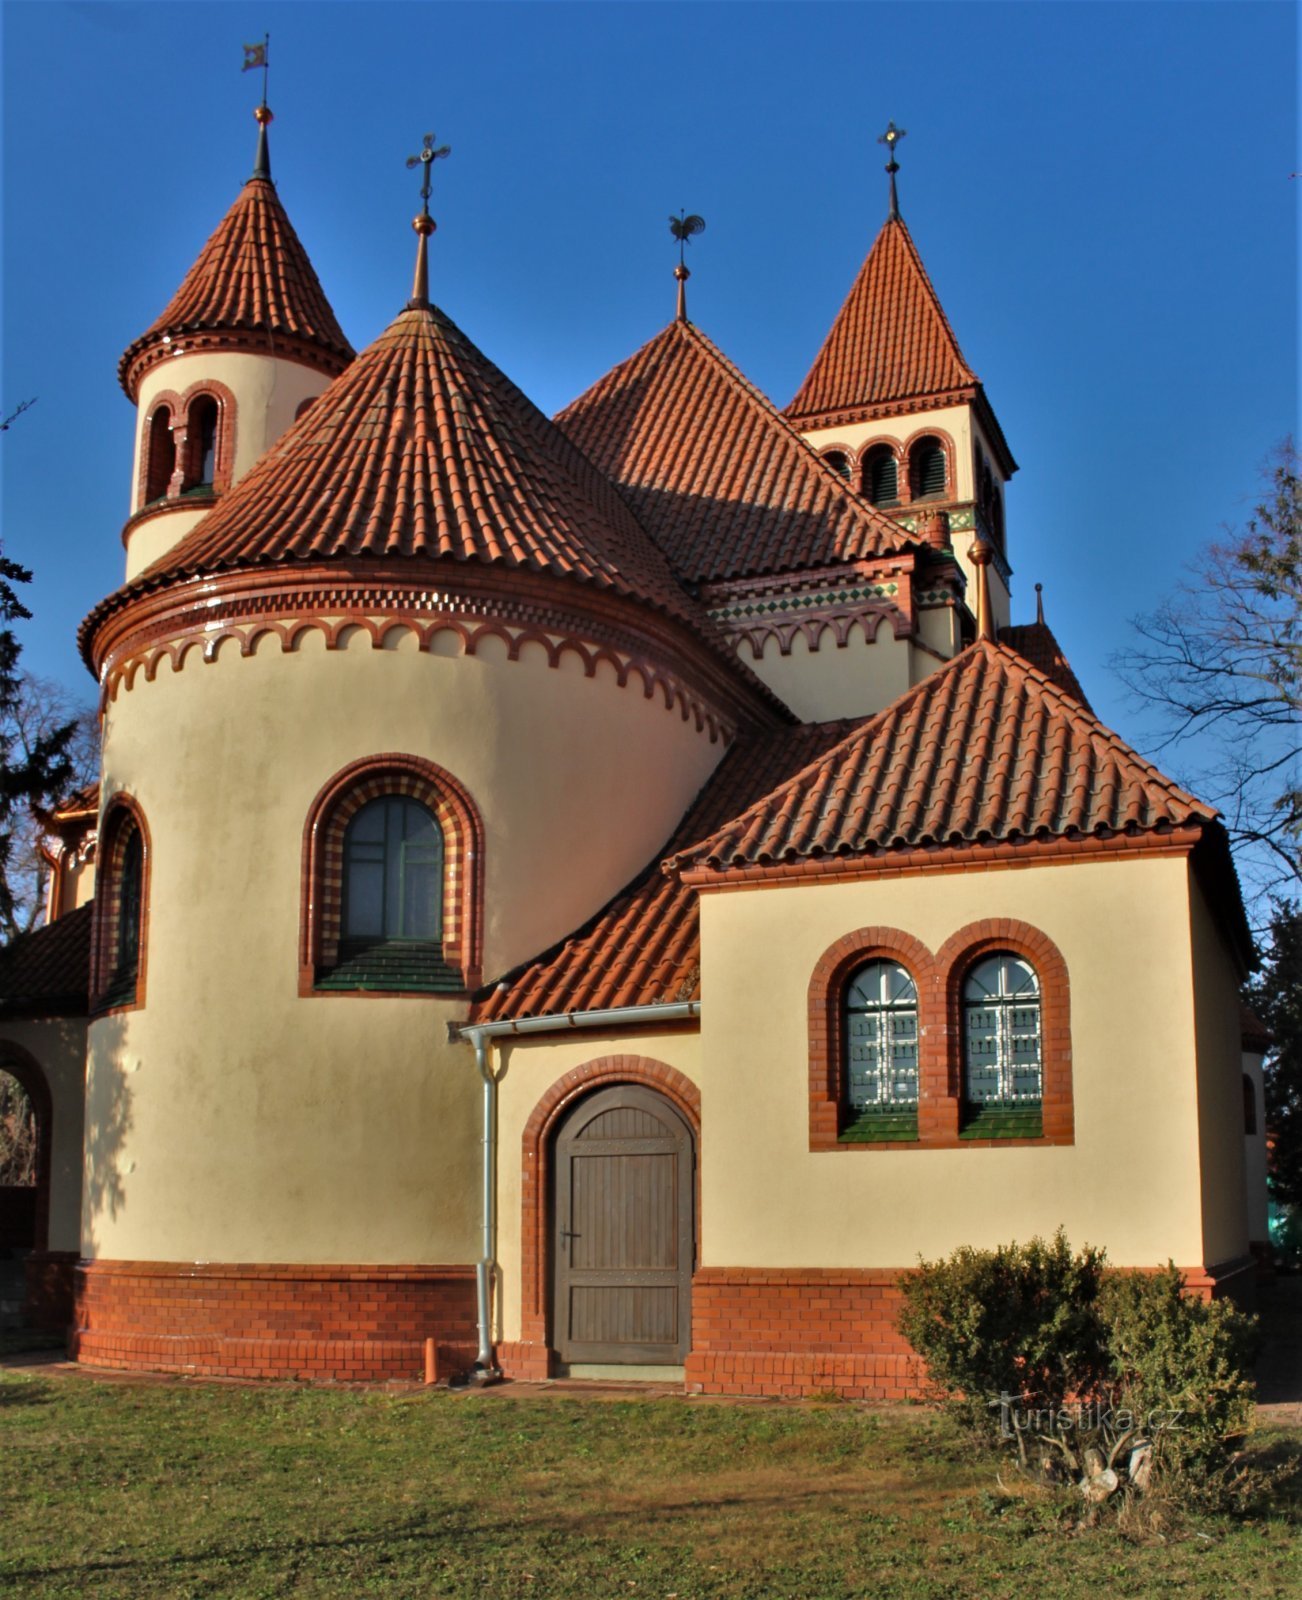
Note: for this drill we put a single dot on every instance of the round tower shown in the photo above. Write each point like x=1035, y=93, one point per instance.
x=244, y=346
x=412, y=701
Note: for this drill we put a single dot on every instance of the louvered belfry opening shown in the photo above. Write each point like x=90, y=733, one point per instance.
x=881, y=482
x=927, y=469
x=839, y=463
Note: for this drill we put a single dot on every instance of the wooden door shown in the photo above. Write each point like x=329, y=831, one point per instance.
x=623, y=1239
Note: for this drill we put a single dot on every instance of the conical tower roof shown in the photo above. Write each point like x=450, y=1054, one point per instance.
x=720, y=480
x=891, y=343
x=252, y=287
x=424, y=450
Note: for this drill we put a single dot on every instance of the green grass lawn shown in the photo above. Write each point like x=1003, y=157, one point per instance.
x=184, y=1489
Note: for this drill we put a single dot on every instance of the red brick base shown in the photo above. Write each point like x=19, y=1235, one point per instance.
x=797, y=1331
x=354, y=1323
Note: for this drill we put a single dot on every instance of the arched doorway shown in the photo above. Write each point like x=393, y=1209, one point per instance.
x=24, y=1152
x=623, y=1231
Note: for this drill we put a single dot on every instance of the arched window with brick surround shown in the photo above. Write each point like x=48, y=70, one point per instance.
x=160, y=458
x=121, y=907
x=393, y=882
x=880, y=1040
x=1003, y=1060
x=927, y=469
x=881, y=484
x=203, y=421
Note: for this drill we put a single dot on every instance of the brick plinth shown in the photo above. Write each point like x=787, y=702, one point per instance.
x=342, y=1323
x=798, y=1331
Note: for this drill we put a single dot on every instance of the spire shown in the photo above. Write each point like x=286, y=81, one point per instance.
x=259, y=55
x=262, y=164
x=683, y=228
x=424, y=224
x=980, y=555
x=890, y=139
x=1039, y=603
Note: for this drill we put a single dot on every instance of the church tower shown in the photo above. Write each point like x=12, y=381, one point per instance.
x=243, y=348
x=893, y=406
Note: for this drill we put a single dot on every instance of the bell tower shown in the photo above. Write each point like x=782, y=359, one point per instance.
x=893, y=406
x=244, y=346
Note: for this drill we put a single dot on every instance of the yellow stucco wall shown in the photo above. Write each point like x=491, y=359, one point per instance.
x=231, y=1120
x=850, y=680
x=1131, y=1180
x=58, y=1045
x=268, y=391
x=1215, y=993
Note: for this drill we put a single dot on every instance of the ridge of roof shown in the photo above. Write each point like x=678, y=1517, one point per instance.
x=643, y=947
x=423, y=448
x=719, y=478
x=253, y=276
x=986, y=749
x=47, y=972
x=890, y=341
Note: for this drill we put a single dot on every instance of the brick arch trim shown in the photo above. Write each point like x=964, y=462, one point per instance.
x=179, y=404
x=337, y=802
x=22, y=1066
x=535, y=1172
x=827, y=1023
x=955, y=959
x=122, y=814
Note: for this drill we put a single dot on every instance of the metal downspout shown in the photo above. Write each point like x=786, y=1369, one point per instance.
x=486, y=1370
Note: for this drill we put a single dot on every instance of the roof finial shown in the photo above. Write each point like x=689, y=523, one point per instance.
x=980, y=555
x=890, y=139
x=258, y=55
x=683, y=228
x=1039, y=603
x=424, y=224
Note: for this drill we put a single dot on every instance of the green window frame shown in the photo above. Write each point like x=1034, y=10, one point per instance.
x=879, y=1010
x=1003, y=1049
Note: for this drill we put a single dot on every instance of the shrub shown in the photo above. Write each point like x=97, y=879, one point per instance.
x=1117, y=1379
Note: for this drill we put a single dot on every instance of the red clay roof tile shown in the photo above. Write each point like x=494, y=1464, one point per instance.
x=721, y=482
x=1036, y=641
x=424, y=449
x=891, y=340
x=252, y=276
x=644, y=947
x=47, y=973
x=987, y=748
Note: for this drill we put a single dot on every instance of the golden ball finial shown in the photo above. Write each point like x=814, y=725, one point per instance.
x=262, y=115
x=424, y=224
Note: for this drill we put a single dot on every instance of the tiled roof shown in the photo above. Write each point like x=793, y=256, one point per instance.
x=253, y=275
x=47, y=973
x=645, y=946
x=985, y=749
x=891, y=340
x=423, y=449
x=1035, y=641
x=75, y=807
x=721, y=482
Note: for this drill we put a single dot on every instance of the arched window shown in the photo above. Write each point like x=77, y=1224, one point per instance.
x=393, y=894
x=160, y=460
x=927, y=469
x=121, y=901
x=881, y=476
x=201, y=443
x=839, y=463
x=1003, y=1079
x=393, y=875
x=880, y=1029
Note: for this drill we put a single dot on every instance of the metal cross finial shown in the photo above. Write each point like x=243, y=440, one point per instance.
x=890, y=139
x=427, y=157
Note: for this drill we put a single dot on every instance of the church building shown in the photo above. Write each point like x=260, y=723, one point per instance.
x=598, y=895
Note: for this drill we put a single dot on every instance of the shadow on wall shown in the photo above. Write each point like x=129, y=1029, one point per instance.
x=108, y=1122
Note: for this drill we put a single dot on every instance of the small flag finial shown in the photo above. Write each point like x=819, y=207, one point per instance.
x=424, y=224
x=258, y=55
x=684, y=228
x=890, y=139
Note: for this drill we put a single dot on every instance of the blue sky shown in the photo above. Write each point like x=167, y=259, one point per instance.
x=1101, y=194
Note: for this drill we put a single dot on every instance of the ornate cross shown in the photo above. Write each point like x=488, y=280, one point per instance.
x=890, y=139
x=427, y=157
